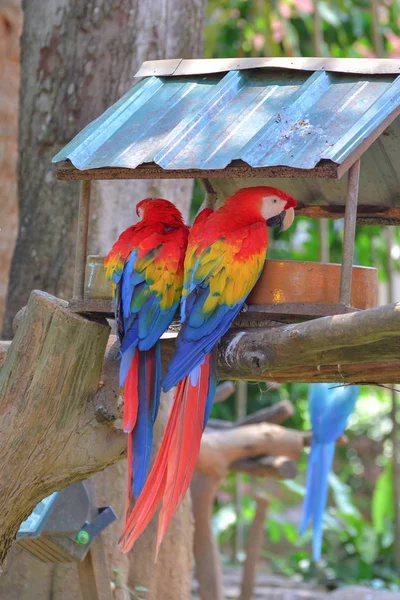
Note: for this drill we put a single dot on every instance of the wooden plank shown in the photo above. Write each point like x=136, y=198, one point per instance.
x=366, y=214
x=95, y=572
x=201, y=66
x=92, y=305
x=87, y=578
x=67, y=172
x=256, y=313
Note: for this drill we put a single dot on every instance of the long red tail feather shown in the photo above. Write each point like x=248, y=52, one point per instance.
x=175, y=463
x=153, y=490
x=185, y=446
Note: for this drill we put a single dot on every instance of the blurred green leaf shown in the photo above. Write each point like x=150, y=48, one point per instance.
x=273, y=530
x=382, y=499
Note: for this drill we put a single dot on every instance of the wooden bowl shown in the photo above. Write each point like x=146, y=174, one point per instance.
x=293, y=281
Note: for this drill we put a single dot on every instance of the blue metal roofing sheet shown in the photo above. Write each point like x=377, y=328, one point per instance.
x=262, y=117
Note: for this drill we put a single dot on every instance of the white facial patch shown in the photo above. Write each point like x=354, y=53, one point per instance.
x=272, y=206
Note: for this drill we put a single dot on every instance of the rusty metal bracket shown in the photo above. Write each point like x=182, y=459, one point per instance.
x=82, y=240
x=350, y=218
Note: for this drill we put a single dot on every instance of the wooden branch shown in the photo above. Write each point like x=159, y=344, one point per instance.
x=254, y=544
x=53, y=430
x=277, y=413
x=239, y=449
x=219, y=424
x=220, y=448
x=4, y=346
x=224, y=391
x=359, y=347
x=274, y=467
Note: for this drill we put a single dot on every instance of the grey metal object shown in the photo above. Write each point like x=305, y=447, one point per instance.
x=82, y=240
x=350, y=220
x=60, y=529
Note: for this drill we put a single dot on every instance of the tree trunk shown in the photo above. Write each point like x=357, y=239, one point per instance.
x=10, y=31
x=77, y=59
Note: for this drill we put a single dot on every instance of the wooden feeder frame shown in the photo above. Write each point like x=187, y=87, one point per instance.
x=276, y=311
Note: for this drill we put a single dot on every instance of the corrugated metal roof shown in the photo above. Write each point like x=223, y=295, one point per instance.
x=262, y=117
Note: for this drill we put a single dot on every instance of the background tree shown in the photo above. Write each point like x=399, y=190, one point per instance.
x=77, y=59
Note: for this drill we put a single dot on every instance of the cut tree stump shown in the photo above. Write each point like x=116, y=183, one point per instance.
x=54, y=415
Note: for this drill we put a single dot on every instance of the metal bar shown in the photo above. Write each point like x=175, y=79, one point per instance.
x=350, y=218
x=81, y=240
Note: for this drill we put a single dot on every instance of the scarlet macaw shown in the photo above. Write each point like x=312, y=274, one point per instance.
x=330, y=407
x=224, y=258
x=145, y=266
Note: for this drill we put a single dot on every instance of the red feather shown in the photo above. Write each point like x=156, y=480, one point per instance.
x=190, y=404
x=153, y=489
x=131, y=396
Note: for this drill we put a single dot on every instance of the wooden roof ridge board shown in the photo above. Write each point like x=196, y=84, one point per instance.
x=178, y=67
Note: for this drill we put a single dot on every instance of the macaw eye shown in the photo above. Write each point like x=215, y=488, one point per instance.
x=274, y=200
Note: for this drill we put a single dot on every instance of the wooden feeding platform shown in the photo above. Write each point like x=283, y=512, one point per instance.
x=324, y=130
x=287, y=290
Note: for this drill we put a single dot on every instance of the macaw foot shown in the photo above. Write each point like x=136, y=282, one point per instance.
x=244, y=309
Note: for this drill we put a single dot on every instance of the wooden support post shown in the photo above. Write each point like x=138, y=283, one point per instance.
x=208, y=561
x=81, y=240
x=350, y=218
x=211, y=197
x=94, y=572
x=254, y=544
x=241, y=412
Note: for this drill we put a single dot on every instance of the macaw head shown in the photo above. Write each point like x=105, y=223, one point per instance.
x=273, y=205
x=157, y=210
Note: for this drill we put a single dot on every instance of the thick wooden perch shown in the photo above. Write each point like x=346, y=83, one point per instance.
x=54, y=415
x=221, y=448
x=358, y=347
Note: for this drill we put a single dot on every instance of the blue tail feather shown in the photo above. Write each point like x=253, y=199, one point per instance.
x=319, y=466
x=212, y=385
x=126, y=361
x=149, y=400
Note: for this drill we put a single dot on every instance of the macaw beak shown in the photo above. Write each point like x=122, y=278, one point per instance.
x=283, y=220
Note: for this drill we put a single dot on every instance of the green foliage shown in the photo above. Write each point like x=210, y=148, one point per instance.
x=285, y=28
x=382, y=501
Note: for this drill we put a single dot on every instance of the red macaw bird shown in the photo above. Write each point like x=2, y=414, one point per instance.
x=145, y=266
x=224, y=259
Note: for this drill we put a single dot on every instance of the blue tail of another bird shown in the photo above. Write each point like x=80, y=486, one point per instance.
x=319, y=466
x=140, y=437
